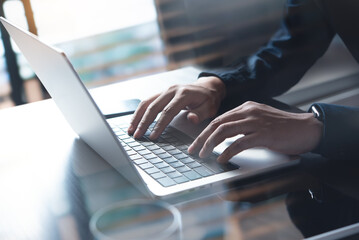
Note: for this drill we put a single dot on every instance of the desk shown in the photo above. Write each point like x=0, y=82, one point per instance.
x=51, y=182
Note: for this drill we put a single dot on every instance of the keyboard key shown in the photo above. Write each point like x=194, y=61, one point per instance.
x=174, y=174
x=176, y=143
x=161, y=165
x=182, y=147
x=166, y=135
x=200, y=160
x=183, y=169
x=127, y=148
x=158, y=151
x=153, y=147
x=168, y=169
x=204, y=172
x=193, y=164
x=152, y=170
x=145, y=165
x=180, y=156
x=131, y=152
x=122, y=135
x=164, y=155
x=140, y=161
x=214, y=166
x=128, y=140
x=192, y=175
x=149, y=156
x=187, y=160
x=168, y=147
x=147, y=133
x=181, y=179
x=166, y=182
x=174, y=151
x=155, y=160
x=144, y=152
x=147, y=143
x=170, y=160
x=176, y=164
x=135, y=156
x=134, y=144
x=123, y=126
x=158, y=175
x=163, y=144
x=138, y=148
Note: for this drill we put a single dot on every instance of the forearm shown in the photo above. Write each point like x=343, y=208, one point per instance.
x=303, y=37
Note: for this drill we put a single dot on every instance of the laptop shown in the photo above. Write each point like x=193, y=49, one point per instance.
x=158, y=169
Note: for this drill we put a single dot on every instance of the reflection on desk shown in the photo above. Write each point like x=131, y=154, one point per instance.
x=52, y=183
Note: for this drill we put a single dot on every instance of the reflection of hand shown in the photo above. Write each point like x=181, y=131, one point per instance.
x=262, y=126
x=201, y=99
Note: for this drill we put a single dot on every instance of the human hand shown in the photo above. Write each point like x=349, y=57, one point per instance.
x=262, y=126
x=201, y=99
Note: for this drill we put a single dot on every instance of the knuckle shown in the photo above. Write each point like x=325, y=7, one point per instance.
x=222, y=128
x=252, y=103
x=215, y=123
x=253, y=110
x=183, y=91
x=168, y=110
x=173, y=87
x=151, y=108
x=144, y=103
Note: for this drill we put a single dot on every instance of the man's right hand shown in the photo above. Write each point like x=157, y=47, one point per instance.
x=202, y=100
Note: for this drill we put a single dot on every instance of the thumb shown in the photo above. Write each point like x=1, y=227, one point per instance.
x=199, y=114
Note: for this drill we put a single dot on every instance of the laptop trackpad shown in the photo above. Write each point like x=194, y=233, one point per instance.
x=254, y=156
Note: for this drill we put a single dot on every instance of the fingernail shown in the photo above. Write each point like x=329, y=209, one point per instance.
x=201, y=154
x=137, y=134
x=190, y=149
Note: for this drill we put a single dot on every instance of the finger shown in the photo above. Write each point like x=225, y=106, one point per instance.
x=223, y=132
x=241, y=144
x=137, y=116
x=152, y=111
x=199, y=114
x=202, y=138
x=168, y=113
x=193, y=117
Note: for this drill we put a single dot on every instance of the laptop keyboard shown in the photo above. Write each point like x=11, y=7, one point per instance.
x=166, y=160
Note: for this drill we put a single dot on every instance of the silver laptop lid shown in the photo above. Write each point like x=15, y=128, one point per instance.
x=72, y=98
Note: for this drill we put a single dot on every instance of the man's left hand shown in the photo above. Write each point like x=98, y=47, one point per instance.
x=262, y=126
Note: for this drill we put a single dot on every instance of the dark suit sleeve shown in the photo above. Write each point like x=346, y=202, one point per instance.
x=340, y=139
x=303, y=37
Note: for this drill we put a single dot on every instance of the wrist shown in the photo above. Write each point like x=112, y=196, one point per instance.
x=214, y=84
x=316, y=129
